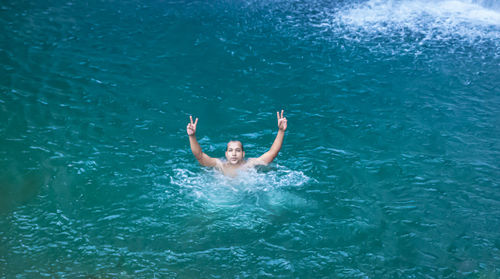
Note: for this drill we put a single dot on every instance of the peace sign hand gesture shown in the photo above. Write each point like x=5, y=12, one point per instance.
x=191, y=127
x=281, y=121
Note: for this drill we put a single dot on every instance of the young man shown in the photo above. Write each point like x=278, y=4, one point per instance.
x=235, y=154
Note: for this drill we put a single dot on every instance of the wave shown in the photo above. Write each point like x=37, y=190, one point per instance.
x=451, y=17
x=489, y=4
x=414, y=23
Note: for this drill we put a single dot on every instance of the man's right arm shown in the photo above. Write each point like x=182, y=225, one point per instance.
x=202, y=158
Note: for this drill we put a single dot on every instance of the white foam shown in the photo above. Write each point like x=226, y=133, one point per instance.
x=408, y=12
x=249, y=188
x=434, y=19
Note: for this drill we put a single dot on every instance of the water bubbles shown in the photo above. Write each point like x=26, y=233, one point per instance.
x=245, y=199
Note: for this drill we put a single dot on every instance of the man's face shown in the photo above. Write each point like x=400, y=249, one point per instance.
x=234, y=153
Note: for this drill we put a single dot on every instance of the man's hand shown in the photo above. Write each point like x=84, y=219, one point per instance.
x=281, y=121
x=191, y=127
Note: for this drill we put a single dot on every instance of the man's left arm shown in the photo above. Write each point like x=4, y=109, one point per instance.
x=269, y=156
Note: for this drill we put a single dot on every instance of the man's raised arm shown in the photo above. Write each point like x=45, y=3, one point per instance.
x=202, y=158
x=269, y=156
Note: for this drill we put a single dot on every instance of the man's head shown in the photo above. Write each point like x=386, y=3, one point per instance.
x=234, y=152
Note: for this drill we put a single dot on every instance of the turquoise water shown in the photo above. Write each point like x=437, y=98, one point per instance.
x=389, y=167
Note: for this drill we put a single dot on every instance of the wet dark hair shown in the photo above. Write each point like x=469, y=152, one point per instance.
x=242, y=149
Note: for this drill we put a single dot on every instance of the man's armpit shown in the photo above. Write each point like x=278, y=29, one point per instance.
x=218, y=164
x=255, y=162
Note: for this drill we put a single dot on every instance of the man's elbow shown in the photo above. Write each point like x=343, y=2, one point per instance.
x=201, y=160
x=267, y=158
x=196, y=154
x=207, y=161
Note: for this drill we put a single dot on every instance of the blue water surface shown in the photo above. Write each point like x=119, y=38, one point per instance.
x=389, y=167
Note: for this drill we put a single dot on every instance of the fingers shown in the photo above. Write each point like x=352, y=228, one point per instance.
x=191, y=121
x=278, y=114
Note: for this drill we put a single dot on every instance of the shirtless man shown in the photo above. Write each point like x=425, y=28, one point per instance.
x=235, y=154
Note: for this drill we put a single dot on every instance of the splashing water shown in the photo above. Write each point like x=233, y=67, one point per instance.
x=417, y=21
x=248, y=188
